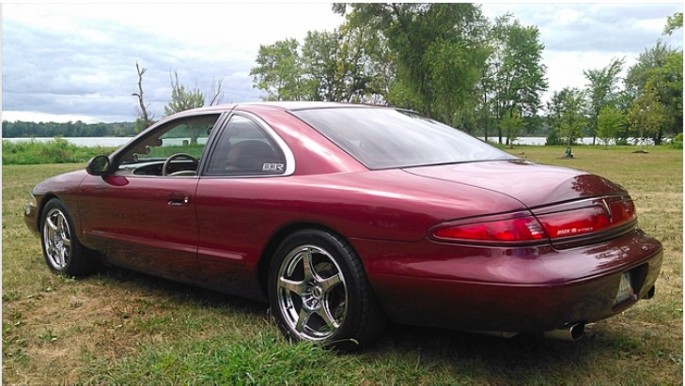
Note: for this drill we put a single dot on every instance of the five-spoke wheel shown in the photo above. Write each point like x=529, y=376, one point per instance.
x=56, y=239
x=312, y=293
x=318, y=291
x=62, y=250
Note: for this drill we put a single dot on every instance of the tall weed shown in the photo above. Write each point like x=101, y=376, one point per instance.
x=55, y=151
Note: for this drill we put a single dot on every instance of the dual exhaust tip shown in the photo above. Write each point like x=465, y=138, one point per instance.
x=571, y=332
x=575, y=331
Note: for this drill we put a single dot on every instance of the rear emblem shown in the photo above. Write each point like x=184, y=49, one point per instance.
x=605, y=205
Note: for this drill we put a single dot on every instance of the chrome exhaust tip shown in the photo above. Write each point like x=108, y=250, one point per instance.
x=571, y=332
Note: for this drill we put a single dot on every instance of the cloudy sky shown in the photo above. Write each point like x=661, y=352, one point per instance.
x=77, y=61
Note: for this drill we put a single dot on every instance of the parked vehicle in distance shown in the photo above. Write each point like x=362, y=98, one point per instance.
x=343, y=217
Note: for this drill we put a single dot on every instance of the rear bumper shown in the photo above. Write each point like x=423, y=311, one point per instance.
x=508, y=289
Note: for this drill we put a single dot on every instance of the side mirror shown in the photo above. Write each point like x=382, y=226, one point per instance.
x=98, y=165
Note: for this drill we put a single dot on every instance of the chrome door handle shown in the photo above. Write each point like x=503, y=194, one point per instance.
x=176, y=200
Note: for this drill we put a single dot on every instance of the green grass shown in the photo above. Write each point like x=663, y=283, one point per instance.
x=58, y=150
x=166, y=151
x=123, y=327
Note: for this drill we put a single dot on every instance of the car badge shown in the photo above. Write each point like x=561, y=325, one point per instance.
x=605, y=205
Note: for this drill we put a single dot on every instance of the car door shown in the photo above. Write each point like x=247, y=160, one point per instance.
x=143, y=215
x=234, y=210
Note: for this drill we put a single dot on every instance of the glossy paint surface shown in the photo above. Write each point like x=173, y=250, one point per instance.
x=219, y=232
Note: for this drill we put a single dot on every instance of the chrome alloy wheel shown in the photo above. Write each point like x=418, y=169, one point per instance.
x=57, y=239
x=311, y=293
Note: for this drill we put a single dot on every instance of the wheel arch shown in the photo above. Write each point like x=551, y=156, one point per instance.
x=41, y=208
x=276, y=240
x=72, y=208
x=363, y=324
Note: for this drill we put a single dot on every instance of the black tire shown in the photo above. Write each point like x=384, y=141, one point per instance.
x=333, y=303
x=62, y=250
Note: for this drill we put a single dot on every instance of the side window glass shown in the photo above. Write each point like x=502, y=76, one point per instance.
x=245, y=150
x=178, y=144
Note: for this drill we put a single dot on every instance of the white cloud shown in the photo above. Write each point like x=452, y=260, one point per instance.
x=38, y=116
x=565, y=68
x=78, y=59
x=77, y=51
x=579, y=37
x=566, y=16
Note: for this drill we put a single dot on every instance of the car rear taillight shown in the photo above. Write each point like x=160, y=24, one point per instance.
x=586, y=217
x=512, y=229
x=551, y=223
x=575, y=222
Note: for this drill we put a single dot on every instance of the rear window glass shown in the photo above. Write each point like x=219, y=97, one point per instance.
x=383, y=138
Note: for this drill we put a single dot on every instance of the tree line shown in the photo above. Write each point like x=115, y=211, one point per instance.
x=67, y=129
x=450, y=63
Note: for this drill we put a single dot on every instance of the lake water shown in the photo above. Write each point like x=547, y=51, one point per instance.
x=118, y=141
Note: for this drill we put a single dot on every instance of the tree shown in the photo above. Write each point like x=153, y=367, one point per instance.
x=349, y=64
x=647, y=114
x=673, y=23
x=519, y=75
x=601, y=89
x=279, y=72
x=337, y=63
x=485, y=89
x=183, y=99
x=555, y=109
x=320, y=55
x=381, y=68
x=144, y=119
x=661, y=68
x=438, y=51
x=511, y=125
x=609, y=123
x=571, y=118
x=364, y=65
x=217, y=92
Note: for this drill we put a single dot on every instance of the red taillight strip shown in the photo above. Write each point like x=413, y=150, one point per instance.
x=513, y=228
x=622, y=212
x=585, y=217
x=575, y=222
x=558, y=222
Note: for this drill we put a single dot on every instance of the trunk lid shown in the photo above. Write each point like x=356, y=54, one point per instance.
x=532, y=184
x=573, y=207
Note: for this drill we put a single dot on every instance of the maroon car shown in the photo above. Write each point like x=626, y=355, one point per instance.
x=345, y=216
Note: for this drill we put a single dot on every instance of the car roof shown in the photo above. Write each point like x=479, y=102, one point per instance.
x=303, y=105
x=280, y=105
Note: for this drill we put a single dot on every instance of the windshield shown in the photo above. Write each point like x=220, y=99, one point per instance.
x=382, y=138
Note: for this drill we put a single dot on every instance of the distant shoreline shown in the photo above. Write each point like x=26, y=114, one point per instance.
x=118, y=141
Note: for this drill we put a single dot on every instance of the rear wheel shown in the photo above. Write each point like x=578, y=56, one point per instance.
x=318, y=292
x=63, y=252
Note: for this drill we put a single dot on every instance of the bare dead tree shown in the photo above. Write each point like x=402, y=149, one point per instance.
x=217, y=92
x=145, y=120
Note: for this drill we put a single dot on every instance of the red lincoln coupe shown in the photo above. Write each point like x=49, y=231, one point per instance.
x=343, y=217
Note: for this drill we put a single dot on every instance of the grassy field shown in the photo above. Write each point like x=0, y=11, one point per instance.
x=123, y=327
x=58, y=150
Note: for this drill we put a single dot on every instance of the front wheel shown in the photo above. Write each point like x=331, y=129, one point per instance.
x=63, y=252
x=318, y=292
